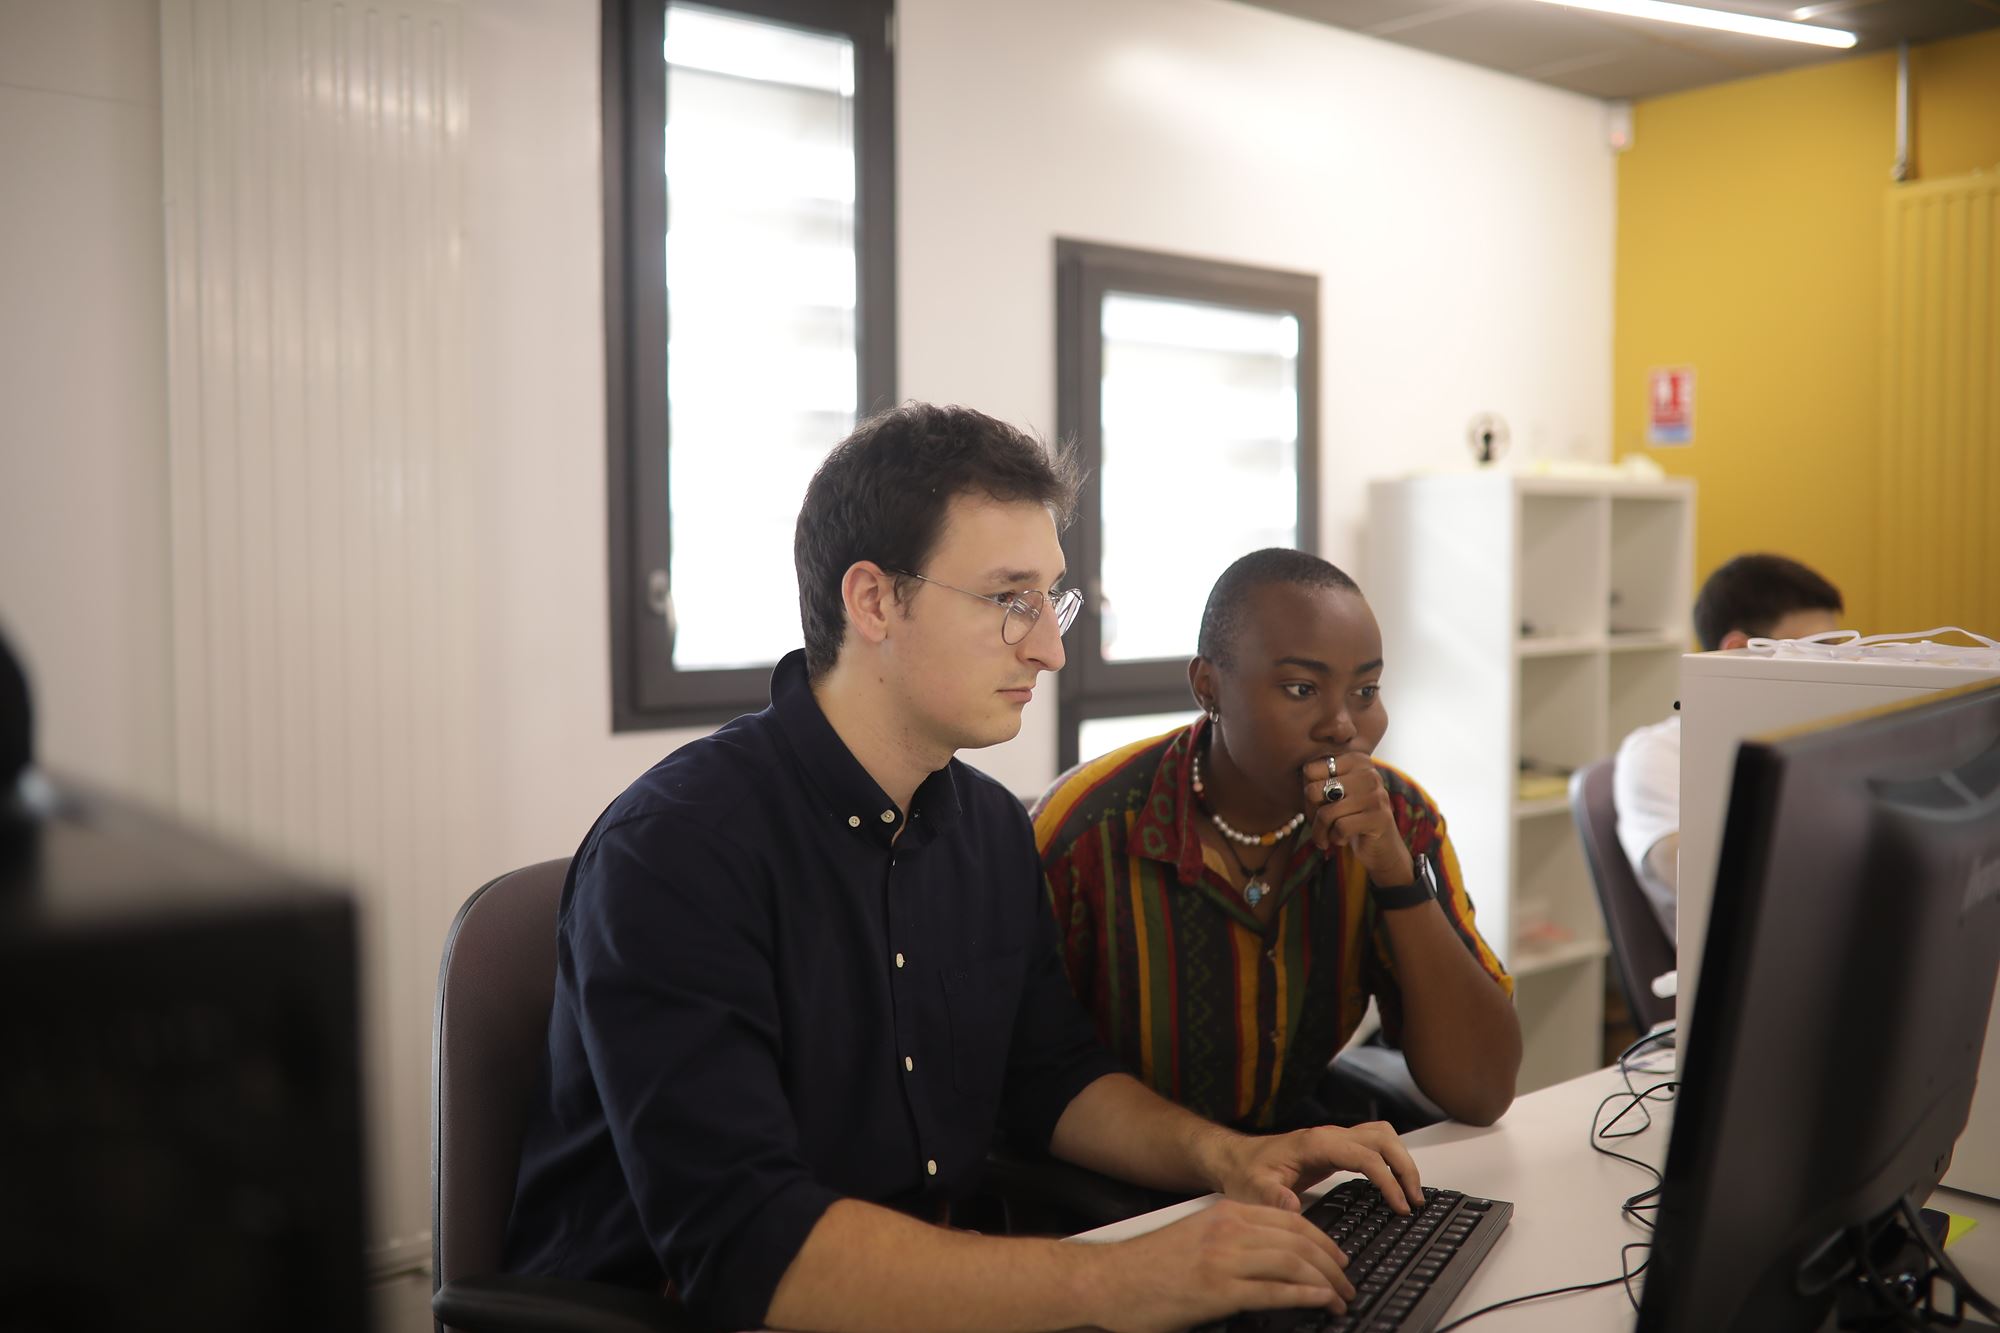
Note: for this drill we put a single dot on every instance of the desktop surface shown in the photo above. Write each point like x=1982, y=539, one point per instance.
x=1566, y=1228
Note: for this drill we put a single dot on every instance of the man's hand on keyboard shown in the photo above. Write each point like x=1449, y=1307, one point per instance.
x=1227, y=1258
x=1273, y=1169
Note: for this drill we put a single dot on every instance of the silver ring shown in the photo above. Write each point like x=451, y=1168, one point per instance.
x=1331, y=791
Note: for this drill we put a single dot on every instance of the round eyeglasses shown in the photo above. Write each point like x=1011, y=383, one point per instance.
x=1023, y=609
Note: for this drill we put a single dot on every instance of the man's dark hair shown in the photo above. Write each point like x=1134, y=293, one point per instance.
x=1228, y=601
x=1753, y=593
x=882, y=493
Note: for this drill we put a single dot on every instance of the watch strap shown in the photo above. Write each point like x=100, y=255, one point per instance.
x=1420, y=890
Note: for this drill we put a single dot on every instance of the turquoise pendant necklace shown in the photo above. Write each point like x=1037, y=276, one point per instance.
x=1254, y=887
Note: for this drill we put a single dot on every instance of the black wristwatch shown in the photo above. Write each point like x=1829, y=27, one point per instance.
x=1422, y=889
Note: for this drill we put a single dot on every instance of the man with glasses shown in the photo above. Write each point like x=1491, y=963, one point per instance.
x=805, y=969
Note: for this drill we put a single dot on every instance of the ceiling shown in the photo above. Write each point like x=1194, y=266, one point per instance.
x=1604, y=56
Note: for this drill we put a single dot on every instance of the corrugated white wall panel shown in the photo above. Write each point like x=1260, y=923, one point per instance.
x=320, y=485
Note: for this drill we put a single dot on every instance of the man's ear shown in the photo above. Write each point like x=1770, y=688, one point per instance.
x=869, y=593
x=1736, y=638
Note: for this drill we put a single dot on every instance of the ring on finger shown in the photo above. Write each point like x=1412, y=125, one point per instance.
x=1331, y=791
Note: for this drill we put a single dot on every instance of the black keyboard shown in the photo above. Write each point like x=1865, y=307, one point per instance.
x=1406, y=1269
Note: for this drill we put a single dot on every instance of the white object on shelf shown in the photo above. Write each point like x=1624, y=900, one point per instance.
x=1540, y=618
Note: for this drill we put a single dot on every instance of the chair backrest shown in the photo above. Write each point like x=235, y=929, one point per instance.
x=1640, y=948
x=495, y=987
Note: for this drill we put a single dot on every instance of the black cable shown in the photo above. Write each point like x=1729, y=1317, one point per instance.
x=1920, y=1310
x=1644, y=1200
x=1625, y=1277
x=1902, y=1311
x=1966, y=1293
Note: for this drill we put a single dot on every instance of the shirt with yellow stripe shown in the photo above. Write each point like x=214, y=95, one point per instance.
x=1233, y=1018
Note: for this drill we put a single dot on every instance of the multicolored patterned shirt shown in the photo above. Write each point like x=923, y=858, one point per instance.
x=1232, y=1018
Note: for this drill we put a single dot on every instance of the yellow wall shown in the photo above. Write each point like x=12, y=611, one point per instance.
x=1955, y=96
x=1750, y=235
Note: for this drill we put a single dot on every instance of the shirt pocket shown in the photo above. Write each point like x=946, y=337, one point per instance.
x=981, y=999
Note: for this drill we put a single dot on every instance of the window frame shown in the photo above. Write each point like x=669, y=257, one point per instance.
x=647, y=691
x=1086, y=271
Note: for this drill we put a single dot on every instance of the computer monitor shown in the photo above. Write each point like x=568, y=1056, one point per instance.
x=1845, y=987
x=180, y=1111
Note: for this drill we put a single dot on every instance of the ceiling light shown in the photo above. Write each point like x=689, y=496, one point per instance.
x=1718, y=19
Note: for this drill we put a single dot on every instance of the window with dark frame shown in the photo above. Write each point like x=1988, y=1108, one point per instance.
x=1191, y=390
x=749, y=322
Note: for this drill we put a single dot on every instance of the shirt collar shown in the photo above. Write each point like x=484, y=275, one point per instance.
x=1165, y=829
x=843, y=786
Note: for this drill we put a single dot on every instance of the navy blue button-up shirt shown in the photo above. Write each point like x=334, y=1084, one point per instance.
x=766, y=1000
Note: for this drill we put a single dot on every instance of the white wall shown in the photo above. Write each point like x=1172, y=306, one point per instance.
x=83, y=430
x=535, y=364
x=1460, y=222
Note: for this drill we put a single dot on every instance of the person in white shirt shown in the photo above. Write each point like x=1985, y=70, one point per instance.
x=1750, y=597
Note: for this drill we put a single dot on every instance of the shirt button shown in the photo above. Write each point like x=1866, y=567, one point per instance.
x=888, y=817
x=931, y=1166
x=909, y=1065
x=899, y=960
x=854, y=821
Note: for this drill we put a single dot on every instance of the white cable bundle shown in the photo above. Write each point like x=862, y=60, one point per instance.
x=1847, y=645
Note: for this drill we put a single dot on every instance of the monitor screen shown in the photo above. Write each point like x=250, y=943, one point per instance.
x=1844, y=993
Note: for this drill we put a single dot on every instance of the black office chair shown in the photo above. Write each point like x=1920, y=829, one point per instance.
x=1640, y=948
x=495, y=988
x=1371, y=1080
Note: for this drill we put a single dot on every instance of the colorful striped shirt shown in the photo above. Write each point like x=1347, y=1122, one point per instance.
x=1234, y=1019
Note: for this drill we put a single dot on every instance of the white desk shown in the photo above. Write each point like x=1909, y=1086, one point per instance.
x=1566, y=1227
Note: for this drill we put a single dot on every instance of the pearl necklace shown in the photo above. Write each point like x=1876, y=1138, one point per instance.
x=1222, y=825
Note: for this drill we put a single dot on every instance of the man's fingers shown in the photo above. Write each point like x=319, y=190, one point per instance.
x=1293, y=1268
x=1294, y=1230
x=1382, y=1137
x=1405, y=1166
x=1376, y=1168
x=1254, y=1295
x=1326, y=1256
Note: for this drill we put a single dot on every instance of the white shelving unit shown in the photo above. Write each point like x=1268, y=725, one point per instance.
x=1534, y=619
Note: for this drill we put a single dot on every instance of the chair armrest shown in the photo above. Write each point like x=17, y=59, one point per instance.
x=508, y=1304
x=1070, y=1198
x=1379, y=1078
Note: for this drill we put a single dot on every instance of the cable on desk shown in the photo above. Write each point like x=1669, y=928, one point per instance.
x=1625, y=1277
x=1645, y=1200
